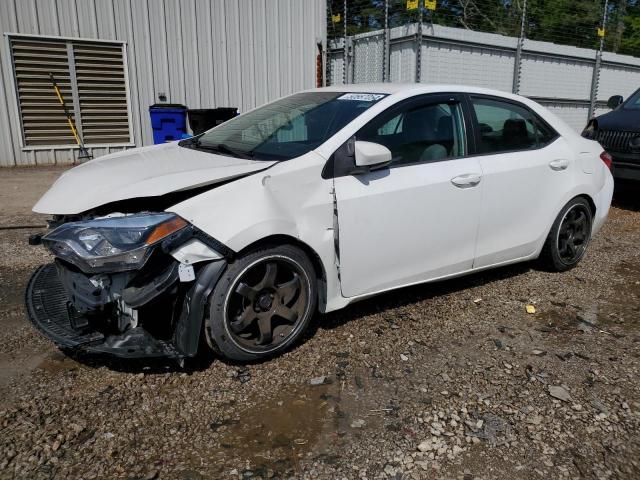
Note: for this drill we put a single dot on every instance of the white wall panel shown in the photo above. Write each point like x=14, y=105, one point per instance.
x=575, y=114
x=9, y=126
x=618, y=80
x=467, y=65
x=335, y=61
x=67, y=18
x=403, y=62
x=368, y=57
x=547, y=76
x=201, y=53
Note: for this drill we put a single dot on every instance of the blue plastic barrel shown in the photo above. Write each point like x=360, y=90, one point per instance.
x=168, y=121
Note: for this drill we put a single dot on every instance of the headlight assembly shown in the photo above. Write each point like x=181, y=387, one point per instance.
x=112, y=244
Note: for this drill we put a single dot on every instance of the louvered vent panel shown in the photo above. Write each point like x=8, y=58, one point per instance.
x=102, y=92
x=43, y=119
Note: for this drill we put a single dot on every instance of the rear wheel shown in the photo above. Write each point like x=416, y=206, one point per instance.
x=262, y=304
x=569, y=237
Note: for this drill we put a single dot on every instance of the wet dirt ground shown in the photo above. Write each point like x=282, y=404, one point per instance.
x=450, y=380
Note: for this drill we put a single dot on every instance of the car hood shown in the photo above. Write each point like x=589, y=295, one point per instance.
x=620, y=119
x=142, y=172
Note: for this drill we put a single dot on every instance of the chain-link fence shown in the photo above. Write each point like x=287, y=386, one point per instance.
x=570, y=55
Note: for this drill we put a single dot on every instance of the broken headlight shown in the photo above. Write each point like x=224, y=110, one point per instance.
x=112, y=244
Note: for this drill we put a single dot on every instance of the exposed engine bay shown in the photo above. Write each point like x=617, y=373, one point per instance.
x=126, y=284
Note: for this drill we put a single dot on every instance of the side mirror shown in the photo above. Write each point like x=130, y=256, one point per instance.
x=371, y=155
x=615, y=101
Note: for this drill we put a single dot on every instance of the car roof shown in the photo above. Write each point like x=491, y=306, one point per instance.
x=415, y=88
x=410, y=89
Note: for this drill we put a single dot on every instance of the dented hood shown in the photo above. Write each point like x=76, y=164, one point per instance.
x=141, y=172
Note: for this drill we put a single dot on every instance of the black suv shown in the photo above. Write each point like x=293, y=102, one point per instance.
x=619, y=133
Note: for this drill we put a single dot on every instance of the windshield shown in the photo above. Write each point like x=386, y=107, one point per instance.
x=286, y=128
x=634, y=101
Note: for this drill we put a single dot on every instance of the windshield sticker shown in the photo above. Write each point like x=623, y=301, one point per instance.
x=362, y=97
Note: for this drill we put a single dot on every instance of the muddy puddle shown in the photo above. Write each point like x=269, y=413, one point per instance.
x=311, y=423
x=595, y=318
x=274, y=434
x=12, y=367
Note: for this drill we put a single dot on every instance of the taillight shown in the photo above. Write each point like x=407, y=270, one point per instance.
x=607, y=159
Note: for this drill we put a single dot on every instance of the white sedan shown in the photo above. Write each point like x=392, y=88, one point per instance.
x=239, y=235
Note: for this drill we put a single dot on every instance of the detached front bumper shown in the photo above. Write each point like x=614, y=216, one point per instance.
x=170, y=307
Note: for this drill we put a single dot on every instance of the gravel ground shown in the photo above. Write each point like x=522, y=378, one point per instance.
x=451, y=380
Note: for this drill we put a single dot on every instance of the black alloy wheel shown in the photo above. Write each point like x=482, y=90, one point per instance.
x=574, y=234
x=569, y=237
x=266, y=303
x=262, y=304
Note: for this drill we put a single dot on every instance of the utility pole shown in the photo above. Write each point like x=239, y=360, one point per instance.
x=517, y=68
x=596, y=69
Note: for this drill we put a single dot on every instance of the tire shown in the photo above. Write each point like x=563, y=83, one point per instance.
x=269, y=288
x=569, y=237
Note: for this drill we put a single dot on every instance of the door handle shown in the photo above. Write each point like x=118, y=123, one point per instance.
x=467, y=180
x=560, y=164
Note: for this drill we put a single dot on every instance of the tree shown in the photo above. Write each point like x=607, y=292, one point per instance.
x=569, y=22
x=629, y=42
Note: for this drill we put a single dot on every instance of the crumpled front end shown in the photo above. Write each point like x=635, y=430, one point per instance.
x=130, y=286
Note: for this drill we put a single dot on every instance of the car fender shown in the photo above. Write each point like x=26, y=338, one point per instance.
x=290, y=199
x=584, y=188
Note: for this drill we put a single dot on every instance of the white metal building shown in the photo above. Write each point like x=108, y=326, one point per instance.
x=115, y=58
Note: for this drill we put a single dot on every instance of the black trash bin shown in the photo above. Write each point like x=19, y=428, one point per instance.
x=202, y=119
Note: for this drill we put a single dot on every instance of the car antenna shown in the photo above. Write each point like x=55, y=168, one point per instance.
x=84, y=153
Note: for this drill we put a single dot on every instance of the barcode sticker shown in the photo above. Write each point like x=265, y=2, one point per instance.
x=362, y=97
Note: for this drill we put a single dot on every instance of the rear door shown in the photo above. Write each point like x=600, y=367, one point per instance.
x=526, y=169
x=416, y=219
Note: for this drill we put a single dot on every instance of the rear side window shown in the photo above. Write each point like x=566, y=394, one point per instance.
x=419, y=133
x=507, y=127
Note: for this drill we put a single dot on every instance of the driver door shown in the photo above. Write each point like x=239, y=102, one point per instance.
x=416, y=219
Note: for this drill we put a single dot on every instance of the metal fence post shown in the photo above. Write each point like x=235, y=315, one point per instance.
x=595, y=80
x=419, y=42
x=517, y=67
x=386, y=64
x=345, y=54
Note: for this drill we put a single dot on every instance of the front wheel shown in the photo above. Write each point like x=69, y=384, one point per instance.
x=569, y=237
x=262, y=304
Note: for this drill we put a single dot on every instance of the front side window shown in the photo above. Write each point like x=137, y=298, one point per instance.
x=505, y=127
x=286, y=128
x=419, y=133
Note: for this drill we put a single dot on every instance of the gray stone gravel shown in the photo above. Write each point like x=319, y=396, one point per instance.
x=450, y=380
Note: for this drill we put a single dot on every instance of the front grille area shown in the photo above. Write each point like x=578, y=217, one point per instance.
x=47, y=307
x=615, y=140
x=47, y=301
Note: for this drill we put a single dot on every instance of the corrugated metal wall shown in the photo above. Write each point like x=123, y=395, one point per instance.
x=201, y=53
x=557, y=76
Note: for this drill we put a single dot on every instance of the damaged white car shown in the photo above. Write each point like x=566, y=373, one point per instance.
x=235, y=238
